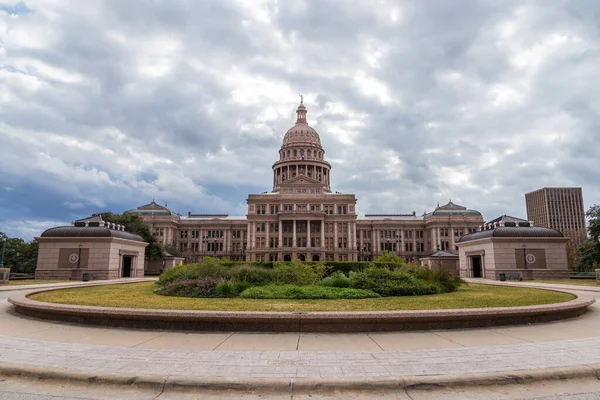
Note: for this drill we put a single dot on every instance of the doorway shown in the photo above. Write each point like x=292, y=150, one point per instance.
x=127, y=263
x=301, y=257
x=287, y=257
x=316, y=257
x=476, y=263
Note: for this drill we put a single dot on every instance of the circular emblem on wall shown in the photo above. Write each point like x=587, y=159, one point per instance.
x=530, y=258
x=73, y=258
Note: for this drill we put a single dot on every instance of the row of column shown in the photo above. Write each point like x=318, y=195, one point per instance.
x=436, y=238
x=351, y=234
x=278, y=176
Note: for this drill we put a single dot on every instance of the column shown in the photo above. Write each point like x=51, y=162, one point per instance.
x=451, y=240
x=439, y=238
x=308, y=233
x=267, y=229
x=414, y=235
x=349, y=241
x=280, y=234
x=248, y=236
x=225, y=241
x=402, y=238
x=242, y=251
x=335, y=236
x=362, y=240
x=377, y=242
x=253, y=232
x=322, y=233
x=294, y=235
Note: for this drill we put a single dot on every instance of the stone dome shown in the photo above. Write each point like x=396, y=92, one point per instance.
x=301, y=133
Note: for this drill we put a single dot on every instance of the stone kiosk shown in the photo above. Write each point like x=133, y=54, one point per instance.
x=513, y=247
x=91, y=246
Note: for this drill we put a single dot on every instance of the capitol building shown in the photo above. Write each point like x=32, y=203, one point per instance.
x=301, y=217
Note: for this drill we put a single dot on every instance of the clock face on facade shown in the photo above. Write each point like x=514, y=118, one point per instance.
x=73, y=258
x=530, y=258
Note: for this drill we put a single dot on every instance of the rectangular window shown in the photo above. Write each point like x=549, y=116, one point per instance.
x=183, y=234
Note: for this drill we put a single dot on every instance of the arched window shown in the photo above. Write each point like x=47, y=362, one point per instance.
x=308, y=153
x=295, y=153
x=288, y=154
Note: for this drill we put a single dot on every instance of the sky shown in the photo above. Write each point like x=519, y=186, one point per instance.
x=107, y=105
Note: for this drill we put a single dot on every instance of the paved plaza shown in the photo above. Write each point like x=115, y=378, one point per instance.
x=221, y=356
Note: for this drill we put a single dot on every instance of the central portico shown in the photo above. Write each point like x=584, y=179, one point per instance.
x=301, y=218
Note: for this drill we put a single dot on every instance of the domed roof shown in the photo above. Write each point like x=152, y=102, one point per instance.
x=301, y=133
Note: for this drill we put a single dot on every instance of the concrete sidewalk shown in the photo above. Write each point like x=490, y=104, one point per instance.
x=536, y=285
x=505, y=354
x=6, y=288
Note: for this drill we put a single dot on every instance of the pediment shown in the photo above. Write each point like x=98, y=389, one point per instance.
x=302, y=181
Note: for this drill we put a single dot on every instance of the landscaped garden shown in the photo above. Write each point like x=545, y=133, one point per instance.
x=385, y=285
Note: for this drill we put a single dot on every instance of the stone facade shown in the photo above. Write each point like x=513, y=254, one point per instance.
x=303, y=218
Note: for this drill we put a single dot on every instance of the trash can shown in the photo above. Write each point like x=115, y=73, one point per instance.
x=502, y=276
x=86, y=276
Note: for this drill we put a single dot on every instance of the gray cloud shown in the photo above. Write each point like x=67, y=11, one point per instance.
x=118, y=102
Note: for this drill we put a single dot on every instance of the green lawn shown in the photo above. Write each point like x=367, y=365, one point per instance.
x=32, y=282
x=139, y=295
x=578, y=282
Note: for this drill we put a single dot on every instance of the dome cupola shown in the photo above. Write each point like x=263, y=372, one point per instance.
x=301, y=154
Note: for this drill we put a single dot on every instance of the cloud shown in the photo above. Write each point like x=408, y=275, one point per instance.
x=110, y=105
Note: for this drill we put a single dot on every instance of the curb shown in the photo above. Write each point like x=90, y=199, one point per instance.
x=66, y=285
x=273, y=321
x=166, y=383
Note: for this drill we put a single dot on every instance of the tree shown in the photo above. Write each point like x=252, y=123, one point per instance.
x=134, y=224
x=389, y=258
x=19, y=255
x=589, y=251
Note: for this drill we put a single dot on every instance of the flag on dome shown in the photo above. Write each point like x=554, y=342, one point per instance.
x=302, y=157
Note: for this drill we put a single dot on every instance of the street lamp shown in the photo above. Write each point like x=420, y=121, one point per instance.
x=2, y=256
x=524, y=246
x=79, y=246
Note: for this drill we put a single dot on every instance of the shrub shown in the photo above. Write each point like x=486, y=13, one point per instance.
x=239, y=287
x=253, y=275
x=440, y=277
x=298, y=273
x=202, y=287
x=293, y=292
x=392, y=282
x=208, y=267
x=389, y=258
x=337, y=279
x=225, y=289
x=346, y=266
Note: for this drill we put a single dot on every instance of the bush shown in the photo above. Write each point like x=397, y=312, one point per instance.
x=225, y=289
x=298, y=273
x=440, y=277
x=208, y=267
x=337, y=279
x=293, y=292
x=252, y=275
x=202, y=287
x=346, y=266
x=392, y=282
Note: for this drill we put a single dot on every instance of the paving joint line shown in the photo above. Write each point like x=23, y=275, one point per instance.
x=146, y=341
x=448, y=339
x=224, y=340
x=369, y=336
x=513, y=337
